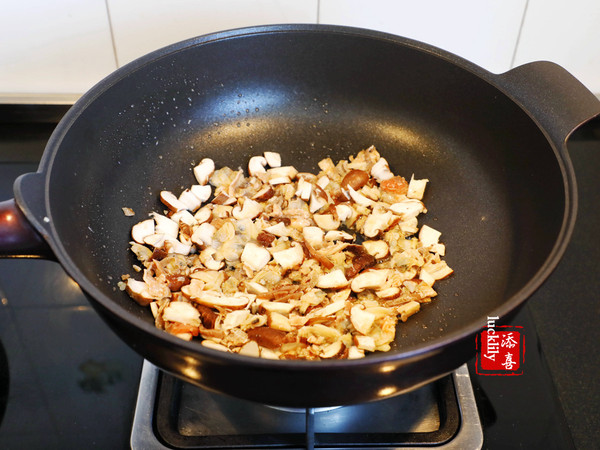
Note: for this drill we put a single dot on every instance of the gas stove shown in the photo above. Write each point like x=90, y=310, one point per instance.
x=173, y=414
x=66, y=381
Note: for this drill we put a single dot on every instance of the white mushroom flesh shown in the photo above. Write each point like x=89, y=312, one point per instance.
x=204, y=170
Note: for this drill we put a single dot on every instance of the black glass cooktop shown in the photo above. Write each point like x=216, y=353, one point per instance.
x=66, y=381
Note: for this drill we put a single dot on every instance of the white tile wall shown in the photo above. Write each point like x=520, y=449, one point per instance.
x=482, y=31
x=567, y=33
x=58, y=46
x=65, y=46
x=140, y=26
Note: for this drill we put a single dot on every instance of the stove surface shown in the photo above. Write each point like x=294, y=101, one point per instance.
x=173, y=414
x=66, y=381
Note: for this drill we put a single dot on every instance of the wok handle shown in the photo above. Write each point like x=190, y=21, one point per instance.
x=554, y=98
x=18, y=238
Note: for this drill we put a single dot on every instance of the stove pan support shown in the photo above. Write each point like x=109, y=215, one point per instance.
x=145, y=434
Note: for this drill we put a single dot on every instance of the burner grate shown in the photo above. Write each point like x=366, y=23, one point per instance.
x=179, y=415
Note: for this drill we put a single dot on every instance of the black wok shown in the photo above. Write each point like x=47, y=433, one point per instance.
x=502, y=189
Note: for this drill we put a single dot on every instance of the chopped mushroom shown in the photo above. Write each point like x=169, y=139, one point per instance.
x=256, y=165
x=416, y=188
x=255, y=257
x=287, y=265
x=273, y=159
x=142, y=230
x=332, y=280
x=204, y=170
x=290, y=257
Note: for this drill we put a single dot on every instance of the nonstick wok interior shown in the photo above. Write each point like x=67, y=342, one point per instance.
x=496, y=187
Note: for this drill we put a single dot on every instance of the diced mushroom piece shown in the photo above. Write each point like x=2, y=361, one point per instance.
x=279, y=229
x=203, y=214
x=217, y=300
x=190, y=201
x=283, y=171
x=278, y=321
x=326, y=165
x=204, y=170
x=429, y=236
x=408, y=208
x=366, y=343
x=438, y=248
x=142, y=252
x=250, y=210
x=381, y=170
x=278, y=307
x=182, y=312
x=369, y=279
x=416, y=188
x=344, y=212
x=332, y=350
x=166, y=226
x=252, y=287
x=193, y=289
x=426, y=277
x=235, y=318
x=256, y=165
x=214, y=345
x=290, y=257
x=273, y=159
x=224, y=199
x=326, y=221
x=183, y=217
x=331, y=309
x=408, y=309
x=333, y=280
x=355, y=178
x=203, y=234
x=388, y=293
x=361, y=320
x=409, y=226
x=207, y=258
x=250, y=348
x=279, y=180
x=323, y=181
x=267, y=337
x=201, y=191
x=317, y=201
x=438, y=270
x=377, y=223
x=355, y=353
x=340, y=295
x=357, y=197
x=314, y=236
x=156, y=240
x=264, y=194
x=255, y=257
x=304, y=189
x=171, y=201
x=378, y=249
x=267, y=353
x=176, y=246
x=142, y=230
x=319, y=332
x=138, y=290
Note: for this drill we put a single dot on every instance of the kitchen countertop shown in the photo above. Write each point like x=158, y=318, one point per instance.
x=71, y=383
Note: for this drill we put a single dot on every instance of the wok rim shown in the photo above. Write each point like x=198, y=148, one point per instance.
x=418, y=352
